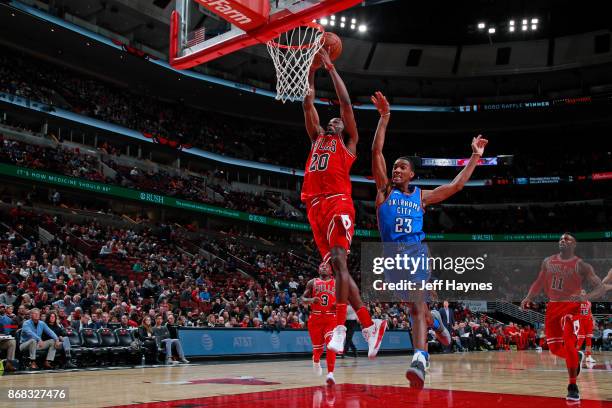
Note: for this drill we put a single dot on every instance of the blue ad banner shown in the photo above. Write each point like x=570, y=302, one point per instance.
x=232, y=342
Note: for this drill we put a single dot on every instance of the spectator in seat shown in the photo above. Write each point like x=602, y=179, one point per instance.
x=8, y=298
x=104, y=322
x=95, y=320
x=163, y=337
x=465, y=335
x=146, y=336
x=31, y=339
x=607, y=338
x=62, y=318
x=105, y=251
x=137, y=267
x=7, y=328
x=27, y=301
x=246, y=322
x=295, y=323
x=204, y=295
x=293, y=285
x=63, y=303
x=82, y=323
x=172, y=326
x=21, y=316
x=598, y=336
x=184, y=322
x=61, y=335
x=455, y=339
x=126, y=323
x=149, y=287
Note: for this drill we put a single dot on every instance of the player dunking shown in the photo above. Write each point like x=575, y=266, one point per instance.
x=327, y=195
x=585, y=333
x=320, y=293
x=561, y=277
x=400, y=209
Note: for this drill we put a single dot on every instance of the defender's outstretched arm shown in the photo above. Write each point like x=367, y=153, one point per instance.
x=445, y=191
x=379, y=166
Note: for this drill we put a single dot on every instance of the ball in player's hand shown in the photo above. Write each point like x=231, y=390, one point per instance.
x=333, y=45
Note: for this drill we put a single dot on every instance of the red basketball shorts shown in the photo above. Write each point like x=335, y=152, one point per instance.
x=320, y=329
x=557, y=315
x=332, y=219
x=586, y=327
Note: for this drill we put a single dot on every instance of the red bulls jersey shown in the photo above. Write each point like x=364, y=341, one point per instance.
x=325, y=290
x=327, y=168
x=585, y=310
x=562, y=279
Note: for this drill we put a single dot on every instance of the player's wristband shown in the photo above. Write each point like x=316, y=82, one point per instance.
x=385, y=114
x=329, y=67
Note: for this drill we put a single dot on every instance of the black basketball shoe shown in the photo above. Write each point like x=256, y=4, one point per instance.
x=573, y=394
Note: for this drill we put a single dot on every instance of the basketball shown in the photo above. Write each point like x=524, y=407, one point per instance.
x=333, y=45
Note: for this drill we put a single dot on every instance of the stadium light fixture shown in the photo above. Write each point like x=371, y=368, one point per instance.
x=324, y=21
x=534, y=27
x=352, y=26
x=512, y=22
x=342, y=25
x=535, y=21
x=491, y=30
x=332, y=23
x=343, y=19
x=525, y=21
x=363, y=28
x=353, y=21
x=524, y=28
x=481, y=26
x=333, y=17
x=511, y=29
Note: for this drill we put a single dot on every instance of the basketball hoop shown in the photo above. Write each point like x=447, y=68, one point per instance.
x=292, y=53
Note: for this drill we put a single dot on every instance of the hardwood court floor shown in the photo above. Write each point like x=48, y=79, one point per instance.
x=479, y=380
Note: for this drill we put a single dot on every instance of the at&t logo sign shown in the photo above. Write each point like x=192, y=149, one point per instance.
x=275, y=341
x=207, y=342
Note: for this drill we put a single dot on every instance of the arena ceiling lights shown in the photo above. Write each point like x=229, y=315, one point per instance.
x=525, y=24
x=342, y=22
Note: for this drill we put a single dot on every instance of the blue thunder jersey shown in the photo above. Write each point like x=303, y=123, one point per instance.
x=400, y=217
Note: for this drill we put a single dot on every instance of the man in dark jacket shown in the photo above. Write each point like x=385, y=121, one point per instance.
x=448, y=319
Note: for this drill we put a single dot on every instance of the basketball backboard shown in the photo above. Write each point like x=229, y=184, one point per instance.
x=239, y=24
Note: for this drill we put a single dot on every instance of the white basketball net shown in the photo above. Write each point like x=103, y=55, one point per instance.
x=292, y=53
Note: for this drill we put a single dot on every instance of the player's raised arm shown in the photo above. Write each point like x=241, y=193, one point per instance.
x=346, y=108
x=443, y=192
x=306, y=299
x=311, y=116
x=536, y=287
x=598, y=289
x=379, y=166
x=608, y=279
